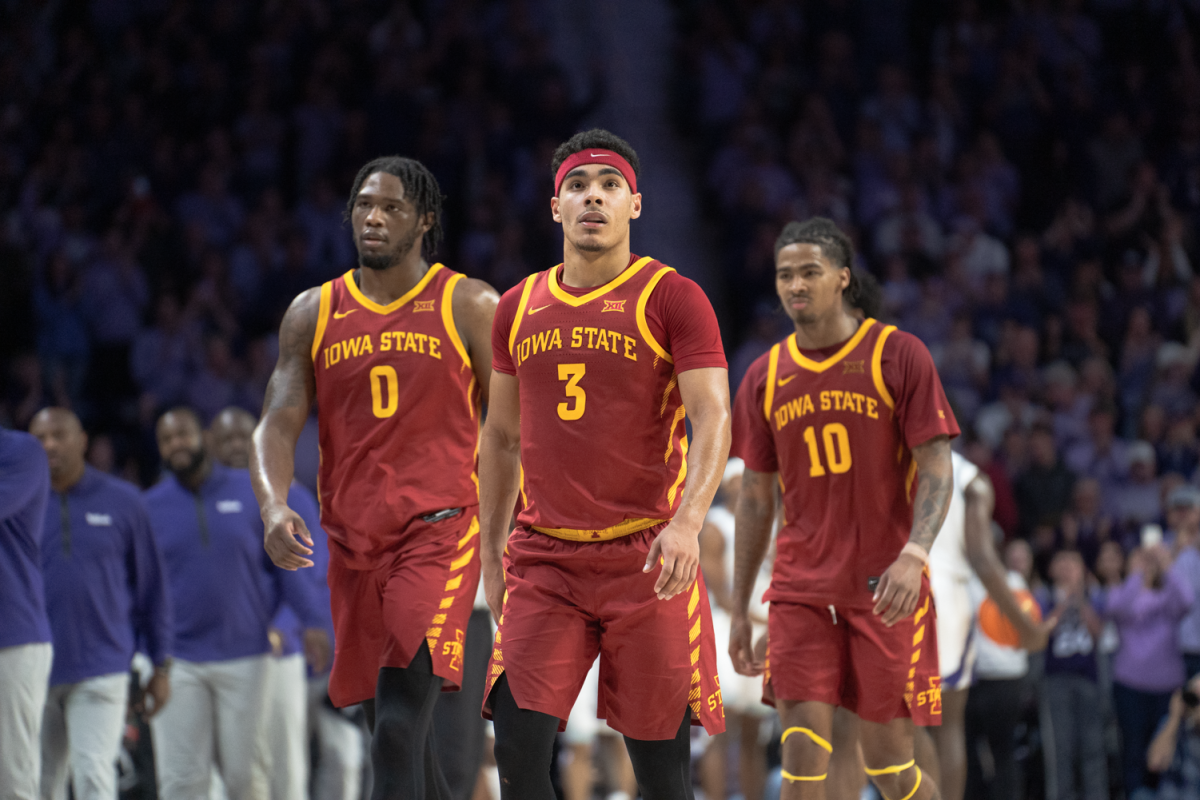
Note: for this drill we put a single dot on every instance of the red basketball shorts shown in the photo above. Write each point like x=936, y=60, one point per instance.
x=849, y=658
x=422, y=592
x=569, y=601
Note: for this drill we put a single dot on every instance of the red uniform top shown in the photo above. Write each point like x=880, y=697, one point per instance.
x=398, y=412
x=603, y=443
x=839, y=425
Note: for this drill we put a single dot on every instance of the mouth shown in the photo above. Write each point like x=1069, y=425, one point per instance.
x=372, y=239
x=593, y=220
x=798, y=303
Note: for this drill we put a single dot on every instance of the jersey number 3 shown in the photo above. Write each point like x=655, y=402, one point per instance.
x=571, y=373
x=837, y=449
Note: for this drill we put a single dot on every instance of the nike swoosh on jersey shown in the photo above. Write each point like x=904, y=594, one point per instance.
x=533, y=311
x=343, y=314
x=782, y=381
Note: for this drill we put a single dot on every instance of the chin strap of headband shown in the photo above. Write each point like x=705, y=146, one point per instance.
x=896, y=770
x=820, y=742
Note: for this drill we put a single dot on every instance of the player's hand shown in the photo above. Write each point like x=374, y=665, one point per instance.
x=680, y=554
x=158, y=690
x=317, y=649
x=1035, y=636
x=899, y=589
x=492, y=574
x=282, y=531
x=741, y=647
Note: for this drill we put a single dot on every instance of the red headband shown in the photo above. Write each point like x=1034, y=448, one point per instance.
x=596, y=155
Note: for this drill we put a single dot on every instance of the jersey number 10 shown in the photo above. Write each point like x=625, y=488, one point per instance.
x=837, y=449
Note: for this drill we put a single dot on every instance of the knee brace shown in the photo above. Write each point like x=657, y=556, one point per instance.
x=817, y=740
x=896, y=770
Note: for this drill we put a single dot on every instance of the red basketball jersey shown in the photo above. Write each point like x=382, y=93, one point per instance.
x=603, y=439
x=398, y=412
x=838, y=426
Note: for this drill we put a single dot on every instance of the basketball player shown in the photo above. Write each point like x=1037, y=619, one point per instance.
x=595, y=361
x=397, y=355
x=964, y=545
x=850, y=418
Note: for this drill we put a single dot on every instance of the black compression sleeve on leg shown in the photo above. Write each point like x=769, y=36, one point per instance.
x=664, y=767
x=404, y=700
x=524, y=747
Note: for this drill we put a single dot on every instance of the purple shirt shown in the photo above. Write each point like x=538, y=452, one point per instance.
x=1149, y=658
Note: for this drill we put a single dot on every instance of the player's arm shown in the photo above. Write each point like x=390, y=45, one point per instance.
x=705, y=394
x=474, y=307
x=289, y=397
x=980, y=500
x=754, y=514
x=900, y=586
x=499, y=482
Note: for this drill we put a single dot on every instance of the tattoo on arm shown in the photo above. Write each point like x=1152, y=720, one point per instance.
x=935, y=484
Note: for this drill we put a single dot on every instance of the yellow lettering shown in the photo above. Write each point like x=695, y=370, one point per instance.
x=410, y=342
x=591, y=332
x=871, y=412
x=576, y=337
x=385, y=341
x=421, y=337
x=630, y=343
x=556, y=341
x=351, y=348
x=825, y=404
x=809, y=408
x=434, y=343
x=366, y=344
x=335, y=353
x=541, y=341
x=602, y=339
x=858, y=401
x=523, y=350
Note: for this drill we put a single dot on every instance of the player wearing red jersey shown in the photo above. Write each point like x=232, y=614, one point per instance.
x=850, y=419
x=397, y=355
x=594, y=362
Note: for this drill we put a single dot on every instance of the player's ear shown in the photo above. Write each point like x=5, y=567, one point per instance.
x=554, y=209
x=427, y=220
x=844, y=278
x=635, y=206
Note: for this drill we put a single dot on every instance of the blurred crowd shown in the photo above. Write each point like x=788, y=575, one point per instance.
x=173, y=173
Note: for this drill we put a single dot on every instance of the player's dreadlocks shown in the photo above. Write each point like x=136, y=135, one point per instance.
x=835, y=245
x=420, y=187
x=601, y=140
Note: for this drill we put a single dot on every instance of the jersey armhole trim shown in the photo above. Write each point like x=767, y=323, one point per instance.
x=772, y=371
x=322, y=317
x=448, y=317
x=877, y=367
x=643, y=327
x=525, y=292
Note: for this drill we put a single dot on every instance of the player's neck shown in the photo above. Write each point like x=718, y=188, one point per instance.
x=385, y=286
x=827, y=331
x=583, y=269
x=64, y=481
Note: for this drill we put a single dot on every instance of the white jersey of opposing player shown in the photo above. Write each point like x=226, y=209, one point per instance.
x=722, y=519
x=948, y=558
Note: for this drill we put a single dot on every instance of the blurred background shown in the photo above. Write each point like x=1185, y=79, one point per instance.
x=1021, y=176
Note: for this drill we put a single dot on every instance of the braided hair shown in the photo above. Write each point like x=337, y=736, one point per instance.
x=835, y=245
x=420, y=187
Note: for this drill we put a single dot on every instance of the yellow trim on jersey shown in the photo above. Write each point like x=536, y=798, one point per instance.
x=371, y=305
x=641, y=316
x=772, y=371
x=821, y=366
x=512, y=335
x=448, y=321
x=575, y=302
x=683, y=448
x=877, y=367
x=322, y=316
x=615, y=532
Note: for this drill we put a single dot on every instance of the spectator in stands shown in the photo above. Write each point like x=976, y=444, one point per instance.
x=1072, y=706
x=1100, y=455
x=1148, y=666
x=1183, y=535
x=1043, y=490
x=1136, y=500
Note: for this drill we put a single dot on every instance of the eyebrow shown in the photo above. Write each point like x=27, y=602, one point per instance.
x=603, y=171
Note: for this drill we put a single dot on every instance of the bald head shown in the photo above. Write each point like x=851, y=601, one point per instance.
x=65, y=443
x=231, y=433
